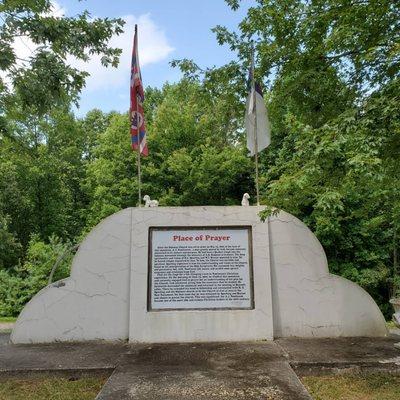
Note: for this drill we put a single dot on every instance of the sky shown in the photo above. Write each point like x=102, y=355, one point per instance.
x=168, y=30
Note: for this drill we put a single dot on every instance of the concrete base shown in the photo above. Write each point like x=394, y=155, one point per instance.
x=249, y=371
x=202, y=371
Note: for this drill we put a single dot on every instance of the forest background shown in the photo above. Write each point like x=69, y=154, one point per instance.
x=330, y=70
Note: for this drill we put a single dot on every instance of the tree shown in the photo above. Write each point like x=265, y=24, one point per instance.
x=46, y=79
x=20, y=284
x=10, y=248
x=111, y=182
x=194, y=159
x=342, y=181
x=332, y=68
x=41, y=168
x=43, y=151
x=356, y=39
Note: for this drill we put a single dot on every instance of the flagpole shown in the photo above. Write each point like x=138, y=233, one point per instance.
x=256, y=161
x=255, y=125
x=138, y=137
x=138, y=155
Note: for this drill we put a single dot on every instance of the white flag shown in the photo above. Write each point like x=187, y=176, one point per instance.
x=256, y=110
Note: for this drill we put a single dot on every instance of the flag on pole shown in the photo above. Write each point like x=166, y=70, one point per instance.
x=256, y=121
x=138, y=126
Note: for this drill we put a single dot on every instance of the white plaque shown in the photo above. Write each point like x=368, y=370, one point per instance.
x=200, y=268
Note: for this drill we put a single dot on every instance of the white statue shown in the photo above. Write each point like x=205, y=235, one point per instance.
x=245, y=200
x=148, y=202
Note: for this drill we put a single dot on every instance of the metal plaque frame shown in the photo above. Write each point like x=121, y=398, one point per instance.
x=189, y=228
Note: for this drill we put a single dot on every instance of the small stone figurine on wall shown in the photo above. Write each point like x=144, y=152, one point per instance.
x=245, y=200
x=148, y=202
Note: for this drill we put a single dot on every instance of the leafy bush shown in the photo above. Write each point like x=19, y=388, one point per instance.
x=20, y=284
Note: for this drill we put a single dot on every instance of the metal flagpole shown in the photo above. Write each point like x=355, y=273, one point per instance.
x=138, y=126
x=256, y=161
x=255, y=124
x=138, y=153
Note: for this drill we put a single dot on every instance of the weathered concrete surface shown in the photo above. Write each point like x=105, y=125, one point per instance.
x=105, y=296
x=336, y=355
x=395, y=332
x=92, y=304
x=309, y=301
x=255, y=370
x=59, y=356
x=4, y=338
x=201, y=325
x=244, y=371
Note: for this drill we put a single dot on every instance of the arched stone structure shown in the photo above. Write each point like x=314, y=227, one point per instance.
x=301, y=297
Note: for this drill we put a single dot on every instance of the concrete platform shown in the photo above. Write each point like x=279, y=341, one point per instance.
x=212, y=371
x=341, y=355
x=59, y=356
x=243, y=371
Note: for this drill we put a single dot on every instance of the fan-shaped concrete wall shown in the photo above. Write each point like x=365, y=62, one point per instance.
x=94, y=302
x=308, y=300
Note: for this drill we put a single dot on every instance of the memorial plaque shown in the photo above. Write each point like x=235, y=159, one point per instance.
x=200, y=268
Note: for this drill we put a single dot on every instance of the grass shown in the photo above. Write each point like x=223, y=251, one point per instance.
x=354, y=387
x=7, y=319
x=391, y=325
x=51, y=388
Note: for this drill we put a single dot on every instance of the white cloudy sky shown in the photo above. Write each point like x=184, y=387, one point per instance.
x=154, y=48
x=168, y=30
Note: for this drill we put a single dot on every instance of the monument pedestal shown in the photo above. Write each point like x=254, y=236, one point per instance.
x=182, y=274
x=211, y=269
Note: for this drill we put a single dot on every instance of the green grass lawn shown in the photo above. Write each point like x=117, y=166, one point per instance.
x=354, y=387
x=390, y=325
x=7, y=319
x=51, y=388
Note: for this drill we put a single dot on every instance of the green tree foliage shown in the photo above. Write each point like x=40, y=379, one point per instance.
x=46, y=78
x=342, y=180
x=69, y=174
x=41, y=172
x=10, y=248
x=196, y=159
x=111, y=178
x=333, y=71
x=18, y=285
x=44, y=151
x=193, y=160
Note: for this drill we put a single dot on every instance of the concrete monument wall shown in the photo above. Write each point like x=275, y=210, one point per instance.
x=308, y=300
x=93, y=303
x=200, y=325
x=106, y=295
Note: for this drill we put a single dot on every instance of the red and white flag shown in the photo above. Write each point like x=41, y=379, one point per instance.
x=136, y=113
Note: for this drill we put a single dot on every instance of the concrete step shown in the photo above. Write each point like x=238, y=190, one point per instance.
x=240, y=371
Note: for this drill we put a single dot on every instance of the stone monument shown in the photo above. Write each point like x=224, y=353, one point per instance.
x=183, y=274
